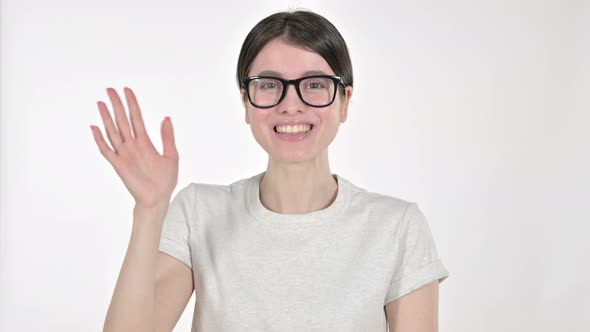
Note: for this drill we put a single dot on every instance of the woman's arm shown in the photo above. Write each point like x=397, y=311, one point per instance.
x=132, y=307
x=416, y=311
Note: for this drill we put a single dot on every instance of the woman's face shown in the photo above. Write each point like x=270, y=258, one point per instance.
x=291, y=62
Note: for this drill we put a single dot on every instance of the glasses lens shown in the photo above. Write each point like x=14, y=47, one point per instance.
x=317, y=91
x=265, y=91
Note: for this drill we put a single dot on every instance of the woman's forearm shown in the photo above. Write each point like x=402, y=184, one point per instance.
x=133, y=303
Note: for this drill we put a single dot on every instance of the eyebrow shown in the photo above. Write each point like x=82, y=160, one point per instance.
x=274, y=73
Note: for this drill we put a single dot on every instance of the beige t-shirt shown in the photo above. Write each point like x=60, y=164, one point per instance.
x=329, y=270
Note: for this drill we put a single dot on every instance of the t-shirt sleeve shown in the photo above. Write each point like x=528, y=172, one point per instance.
x=175, y=238
x=417, y=262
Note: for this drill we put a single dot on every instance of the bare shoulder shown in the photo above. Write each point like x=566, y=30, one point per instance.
x=416, y=311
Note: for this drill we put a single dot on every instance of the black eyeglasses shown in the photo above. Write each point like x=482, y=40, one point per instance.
x=269, y=91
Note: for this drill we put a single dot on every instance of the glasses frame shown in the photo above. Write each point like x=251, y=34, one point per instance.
x=246, y=85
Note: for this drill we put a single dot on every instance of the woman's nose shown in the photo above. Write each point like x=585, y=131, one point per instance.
x=291, y=102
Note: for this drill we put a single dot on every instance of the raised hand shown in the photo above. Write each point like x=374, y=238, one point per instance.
x=149, y=176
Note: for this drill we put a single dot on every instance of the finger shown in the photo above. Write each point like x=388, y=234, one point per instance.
x=168, y=139
x=104, y=149
x=112, y=132
x=134, y=113
x=120, y=115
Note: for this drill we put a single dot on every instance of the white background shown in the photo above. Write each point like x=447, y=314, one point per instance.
x=479, y=111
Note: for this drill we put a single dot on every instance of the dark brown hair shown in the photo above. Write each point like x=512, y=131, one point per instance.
x=301, y=28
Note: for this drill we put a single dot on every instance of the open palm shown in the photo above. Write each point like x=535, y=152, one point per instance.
x=149, y=176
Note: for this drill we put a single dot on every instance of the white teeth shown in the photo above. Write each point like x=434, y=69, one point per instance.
x=293, y=129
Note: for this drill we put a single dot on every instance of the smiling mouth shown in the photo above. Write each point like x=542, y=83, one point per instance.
x=310, y=129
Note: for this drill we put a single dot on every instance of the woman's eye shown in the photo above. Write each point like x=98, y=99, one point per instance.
x=268, y=85
x=316, y=85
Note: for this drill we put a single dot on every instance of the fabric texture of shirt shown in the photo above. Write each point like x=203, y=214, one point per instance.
x=328, y=270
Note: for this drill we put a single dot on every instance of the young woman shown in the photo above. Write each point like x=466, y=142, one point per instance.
x=293, y=248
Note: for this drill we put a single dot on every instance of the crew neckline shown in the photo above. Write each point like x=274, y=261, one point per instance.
x=283, y=220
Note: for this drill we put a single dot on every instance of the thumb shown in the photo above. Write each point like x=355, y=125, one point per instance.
x=168, y=139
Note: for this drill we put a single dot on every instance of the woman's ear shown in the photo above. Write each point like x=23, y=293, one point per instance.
x=345, y=102
x=244, y=97
x=245, y=103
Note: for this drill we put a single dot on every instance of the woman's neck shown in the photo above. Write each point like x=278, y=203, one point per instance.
x=297, y=190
